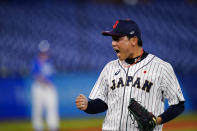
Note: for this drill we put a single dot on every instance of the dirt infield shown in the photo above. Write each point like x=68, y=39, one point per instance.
x=180, y=125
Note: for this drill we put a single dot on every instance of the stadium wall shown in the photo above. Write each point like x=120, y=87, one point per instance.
x=15, y=94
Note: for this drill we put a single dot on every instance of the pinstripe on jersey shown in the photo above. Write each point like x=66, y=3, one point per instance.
x=150, y=81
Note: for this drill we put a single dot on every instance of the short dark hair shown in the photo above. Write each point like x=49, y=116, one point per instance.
x=139, y=40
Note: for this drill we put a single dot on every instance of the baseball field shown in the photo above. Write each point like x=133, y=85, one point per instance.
x=185, y=122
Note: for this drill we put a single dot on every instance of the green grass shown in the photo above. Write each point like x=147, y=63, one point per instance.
x=15, y=126
x=67, y=124
x=81, y=123
x=64, y=124
x=186, y=117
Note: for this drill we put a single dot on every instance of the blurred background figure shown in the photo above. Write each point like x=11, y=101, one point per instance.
x=44, y=95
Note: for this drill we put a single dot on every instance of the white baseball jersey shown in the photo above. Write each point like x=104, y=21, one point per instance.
x=149, y=82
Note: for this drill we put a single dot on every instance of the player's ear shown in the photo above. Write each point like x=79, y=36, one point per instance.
x=133, y=40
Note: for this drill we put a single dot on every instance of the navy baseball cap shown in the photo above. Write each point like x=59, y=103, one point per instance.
x=124, y=28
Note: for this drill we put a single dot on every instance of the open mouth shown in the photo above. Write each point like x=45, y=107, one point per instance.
x=117, y=51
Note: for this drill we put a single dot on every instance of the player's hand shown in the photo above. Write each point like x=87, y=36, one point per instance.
x=81, y=102
x=159, y=120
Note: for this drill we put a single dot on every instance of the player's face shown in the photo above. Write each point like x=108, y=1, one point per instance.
x=122, y=46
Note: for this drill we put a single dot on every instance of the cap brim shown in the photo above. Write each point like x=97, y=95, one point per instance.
x=111, y=33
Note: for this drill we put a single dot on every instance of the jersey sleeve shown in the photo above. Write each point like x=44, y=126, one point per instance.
x=100, y=89
x=171, y=88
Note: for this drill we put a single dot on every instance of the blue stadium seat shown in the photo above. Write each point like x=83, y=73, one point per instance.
x=74, y=32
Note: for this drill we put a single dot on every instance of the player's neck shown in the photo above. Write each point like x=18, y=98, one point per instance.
x=138, y=58
x=136, y=53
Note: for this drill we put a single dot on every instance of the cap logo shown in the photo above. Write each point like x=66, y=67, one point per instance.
x=132, y=32
x=115, y=25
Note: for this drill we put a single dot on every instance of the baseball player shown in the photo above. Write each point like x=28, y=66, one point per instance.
x=135, y=74
x=44, y=95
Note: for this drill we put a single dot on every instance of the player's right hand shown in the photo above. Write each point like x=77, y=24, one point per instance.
x=81, y=102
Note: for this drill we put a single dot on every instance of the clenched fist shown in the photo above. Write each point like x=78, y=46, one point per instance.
x=81, y=102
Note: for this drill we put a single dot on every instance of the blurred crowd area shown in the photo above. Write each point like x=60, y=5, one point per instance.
x=73, y=29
